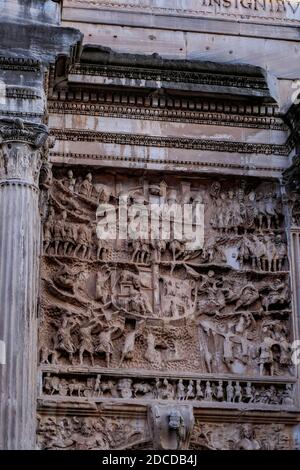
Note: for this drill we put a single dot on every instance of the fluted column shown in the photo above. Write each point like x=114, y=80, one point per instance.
x=20, y=162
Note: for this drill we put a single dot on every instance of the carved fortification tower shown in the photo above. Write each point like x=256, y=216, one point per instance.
x=147, y=343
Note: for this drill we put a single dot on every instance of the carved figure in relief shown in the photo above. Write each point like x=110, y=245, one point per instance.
x=129, y=342
x=257, y=251
x=157, y=388
x=92, y=436
x=124, y=388
x=270, y=210
x=83, y=242
x=180, y=390
x=59, y=232
x=199, y=392
x=215, y=297
x=208, y=393
x=105, y=344
x=233, y=217
x=63, y=339
x=288, y=395
x=209, y=332
x=285, y=347
x=213, y=250
x=237, y=392
x=69, y=182
x=176, y=423
x=139, y=303
x=48, y=230
x=48, y=384
x=277, y=295
x=152, y=354
x=245, y=323
x=104, y=284
x=159, y=247
x=249, y=393
x=86, y=341
x=229, y=392
x=280, y=253
x=190, y=394
x=219, y=391
x=248, y=295
x=167, y=390
x=227, y=345
x=97, y=386
x=64, y=279
x=69, y=238
x=247, y=439
x=141, y=251
x=86, y=187
x=266, y=358
x=102, y=247
x=218, y=218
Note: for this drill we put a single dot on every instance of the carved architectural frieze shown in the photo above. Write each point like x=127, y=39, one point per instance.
x=24, y=64
x=167, y=427
x=245, y=436
x=166, y=112
x=89, y=433
x=220, y=308
x=57, y=156
x=103, y=386
x=179, y=76
x=81, y=135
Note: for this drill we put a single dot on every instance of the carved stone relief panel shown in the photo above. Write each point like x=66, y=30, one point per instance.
x=79, y=386
x=245, y=436
x=89, y=433
x=166, y=428
x=222, y=307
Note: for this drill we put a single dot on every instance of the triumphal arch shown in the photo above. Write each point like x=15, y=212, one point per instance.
x=148, y=342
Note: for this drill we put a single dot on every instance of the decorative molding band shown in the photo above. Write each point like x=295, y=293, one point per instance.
x=134, y=410
x=23, y=114
x=81, y=135
x=20, y=64
x=208, y=117
x=177, y=76
x=96, y=157
x=22, y=93
x=19, y=183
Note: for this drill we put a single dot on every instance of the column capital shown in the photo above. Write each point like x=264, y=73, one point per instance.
x=17, y=130
x=21, y=145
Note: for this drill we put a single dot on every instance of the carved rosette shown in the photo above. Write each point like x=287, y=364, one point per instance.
x=20, y=154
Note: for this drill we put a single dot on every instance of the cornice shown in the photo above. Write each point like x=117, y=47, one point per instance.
x=175, y=76
x=22, y=93
x=75, y=135
x=23, y=114
x=127, y=410
x=214, y=114
x=19, y=63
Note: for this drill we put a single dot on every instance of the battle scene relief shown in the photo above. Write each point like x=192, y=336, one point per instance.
x=144, y=319
x=148, y=319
